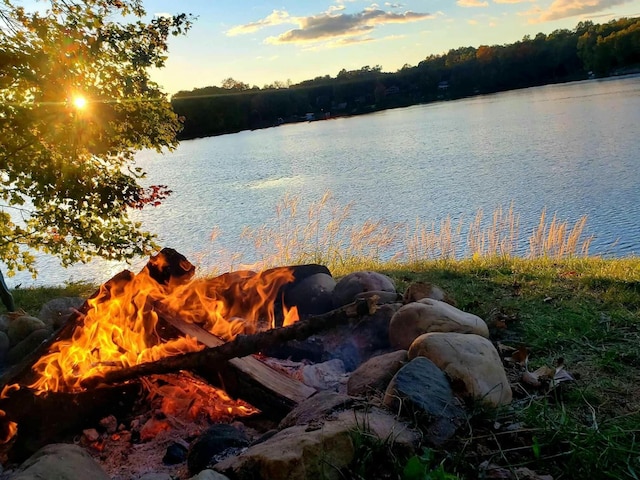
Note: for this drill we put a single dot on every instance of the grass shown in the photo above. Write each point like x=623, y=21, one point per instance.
x=555, y=300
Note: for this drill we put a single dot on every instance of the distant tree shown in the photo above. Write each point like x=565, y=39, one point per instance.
x=76, y=103
x=233, y=84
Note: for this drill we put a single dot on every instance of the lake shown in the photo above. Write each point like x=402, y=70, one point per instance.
x=572, y=148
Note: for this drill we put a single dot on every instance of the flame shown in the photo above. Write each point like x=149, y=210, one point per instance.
x=8, y=429
x=120, y=327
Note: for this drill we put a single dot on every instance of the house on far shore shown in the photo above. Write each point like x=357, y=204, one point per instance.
x=444, y=85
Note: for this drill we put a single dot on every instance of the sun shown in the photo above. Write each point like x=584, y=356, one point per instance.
x=79, y=102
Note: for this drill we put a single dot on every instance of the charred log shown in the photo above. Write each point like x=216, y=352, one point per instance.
x=209, y=360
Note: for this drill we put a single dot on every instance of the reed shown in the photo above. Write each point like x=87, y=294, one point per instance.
x=324, y=233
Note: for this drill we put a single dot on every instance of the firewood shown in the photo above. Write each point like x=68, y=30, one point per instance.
x=248, y=378
x=209, y=359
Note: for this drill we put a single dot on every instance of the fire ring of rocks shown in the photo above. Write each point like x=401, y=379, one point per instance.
x=249, y=375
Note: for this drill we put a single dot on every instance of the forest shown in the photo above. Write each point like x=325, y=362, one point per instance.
x=588, y=51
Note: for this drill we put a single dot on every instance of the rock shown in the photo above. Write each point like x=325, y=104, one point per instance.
x=313, y=295
x=315, y=408
x=421, y=391
x=4, y=346
x=209, y=475
x=327, y=375
x=470, y=361
x=374, y=375
x=304, y=452
x=28, y=345
x=4, y=323
x=215, y=440
x=419, y=290
x=428, y=315
x=110, y=424
x=383, y=297
x=176, y=453
x=351, y=285
x=156, y=476
x=60, y=462
x=91, y=435
x=21, y=327
x=56, y=312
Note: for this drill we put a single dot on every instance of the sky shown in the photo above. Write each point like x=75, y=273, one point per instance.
x=260, y=42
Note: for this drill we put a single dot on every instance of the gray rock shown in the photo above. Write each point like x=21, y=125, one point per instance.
x=28, y=345
x=214, y=441
x=56, y=312
x=313, y=295
x=155, y=476
x=60, y=462
x=355, y=283
x=315, y=408
x=209, y=475
x=4, y=346
x=428, y=315
x=421, y=391
x=4, y=323
x=21, y=327
x=373, y=376
x=470, y=361
x=305, y=452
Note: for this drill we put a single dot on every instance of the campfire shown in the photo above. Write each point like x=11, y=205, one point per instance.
x=181, y=343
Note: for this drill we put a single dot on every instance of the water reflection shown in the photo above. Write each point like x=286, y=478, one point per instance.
x=571, y=148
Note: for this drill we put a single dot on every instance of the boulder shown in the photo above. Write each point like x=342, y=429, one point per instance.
x=216, y=440
x=28, y=345
x=373, y=376
x=419, y=290
x=56, y=312
x=303, y=452
x=355, y=283
x=421, y=391
x=21, y=327
x=428, y=315
x=315, y=408
x=209, y=475
x=313, y=295
x=470, y=361
x=60, y=462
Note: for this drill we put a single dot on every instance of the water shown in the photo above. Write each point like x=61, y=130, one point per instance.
x=572, y=148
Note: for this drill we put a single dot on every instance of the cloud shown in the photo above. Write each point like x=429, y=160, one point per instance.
x=277, y=17
x=329, y=26
x=472, y=3
x=512, y=1
x=571, y=8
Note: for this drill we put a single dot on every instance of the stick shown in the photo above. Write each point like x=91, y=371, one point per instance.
x=241, y=346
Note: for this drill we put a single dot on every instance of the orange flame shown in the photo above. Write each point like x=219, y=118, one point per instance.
x=120, y=327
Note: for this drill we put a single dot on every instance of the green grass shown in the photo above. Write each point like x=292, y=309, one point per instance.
x=583, y=310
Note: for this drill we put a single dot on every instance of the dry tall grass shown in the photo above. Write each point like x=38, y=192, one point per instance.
x=323, y=233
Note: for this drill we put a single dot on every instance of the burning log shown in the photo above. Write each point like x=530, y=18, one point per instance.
x=208, y=361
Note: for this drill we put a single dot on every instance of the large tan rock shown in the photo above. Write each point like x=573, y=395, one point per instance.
x=60, y=462
x=317, y=450
x=470, y=361
x=429, y=315
x=419, y=290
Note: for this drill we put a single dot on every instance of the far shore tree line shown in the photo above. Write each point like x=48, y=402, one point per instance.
x=589, y=50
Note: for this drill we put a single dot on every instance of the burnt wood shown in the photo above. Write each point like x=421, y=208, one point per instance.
x=210, y=359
